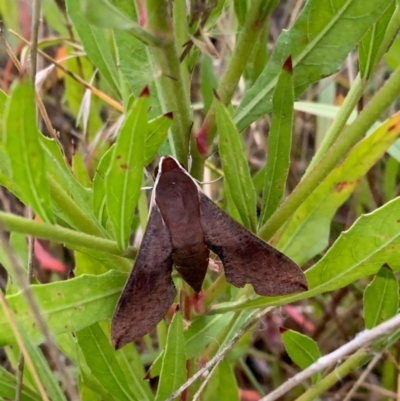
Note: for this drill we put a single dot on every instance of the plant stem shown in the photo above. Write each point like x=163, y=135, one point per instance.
x=356, y=360
x=334, y=131
x=256, y=19
x=62, y=235
x=171, y=83
x=353, y=133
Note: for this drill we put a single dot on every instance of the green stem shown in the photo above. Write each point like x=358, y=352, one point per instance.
x=350, y=102
x=173, y=89
x=256, y=19
x=354, y=132
x=355, y=361
x=62, y=235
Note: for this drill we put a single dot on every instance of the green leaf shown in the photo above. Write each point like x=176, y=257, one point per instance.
x=96, y=44
x=3, y=102
x=302, y=350
x=318, y=42
x=8, y=385
x=80, y=170
x=209, y=81
x=201, y=332
x=55, y=17
x=156, y=136
x=47, y=377
x=173, y=370
x=66, y=306
x=222, y=385
x=371, y=42
x=124, y=177
x=103, y=14
x=307, y=233
x=22, y=141
x=240, y=7
x=99, y=190
x=390, y=178
x=235, y=166
x=381, y=298
x=132, y=365
x=360, y=251
x=103, y=363
x=279, y=142
x=68, y=343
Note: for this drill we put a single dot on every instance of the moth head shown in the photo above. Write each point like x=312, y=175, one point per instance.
x=167, y=163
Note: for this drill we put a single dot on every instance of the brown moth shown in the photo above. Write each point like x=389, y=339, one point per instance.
x=183, y=226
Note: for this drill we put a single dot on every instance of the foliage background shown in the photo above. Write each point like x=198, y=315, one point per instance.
x=332, y=156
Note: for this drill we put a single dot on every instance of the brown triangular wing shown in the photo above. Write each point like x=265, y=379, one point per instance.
x=149, y=291
x=247, y=259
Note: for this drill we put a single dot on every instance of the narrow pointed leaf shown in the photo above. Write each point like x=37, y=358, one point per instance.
x=103, y=14
x=156, y=136
x=235, y=166
x=279, y=142
x=23, y=145
x=101, y=360
x=173, y=369
x=96, y=43
x=381, y=298
x=223, y=385
x=371, y=42
x=8, y=386
x=47, y=377
x=124, y=177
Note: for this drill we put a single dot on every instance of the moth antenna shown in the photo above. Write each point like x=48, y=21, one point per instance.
x=210, y=182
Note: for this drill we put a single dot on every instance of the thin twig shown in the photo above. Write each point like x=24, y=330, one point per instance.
x=39, y=101
x=362, y=377
x=362, y=340
x=36, y=7
x=107, y=99
x=212, y=363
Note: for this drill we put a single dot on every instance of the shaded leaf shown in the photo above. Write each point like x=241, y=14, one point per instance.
x=235, y=166
x=381, y=298
x=156, y=136
x=222, y=385
x=302, y=349
x=371, y=42
x=173, y=369
x=102, y=362
x=8, y=385
x=200, y=333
